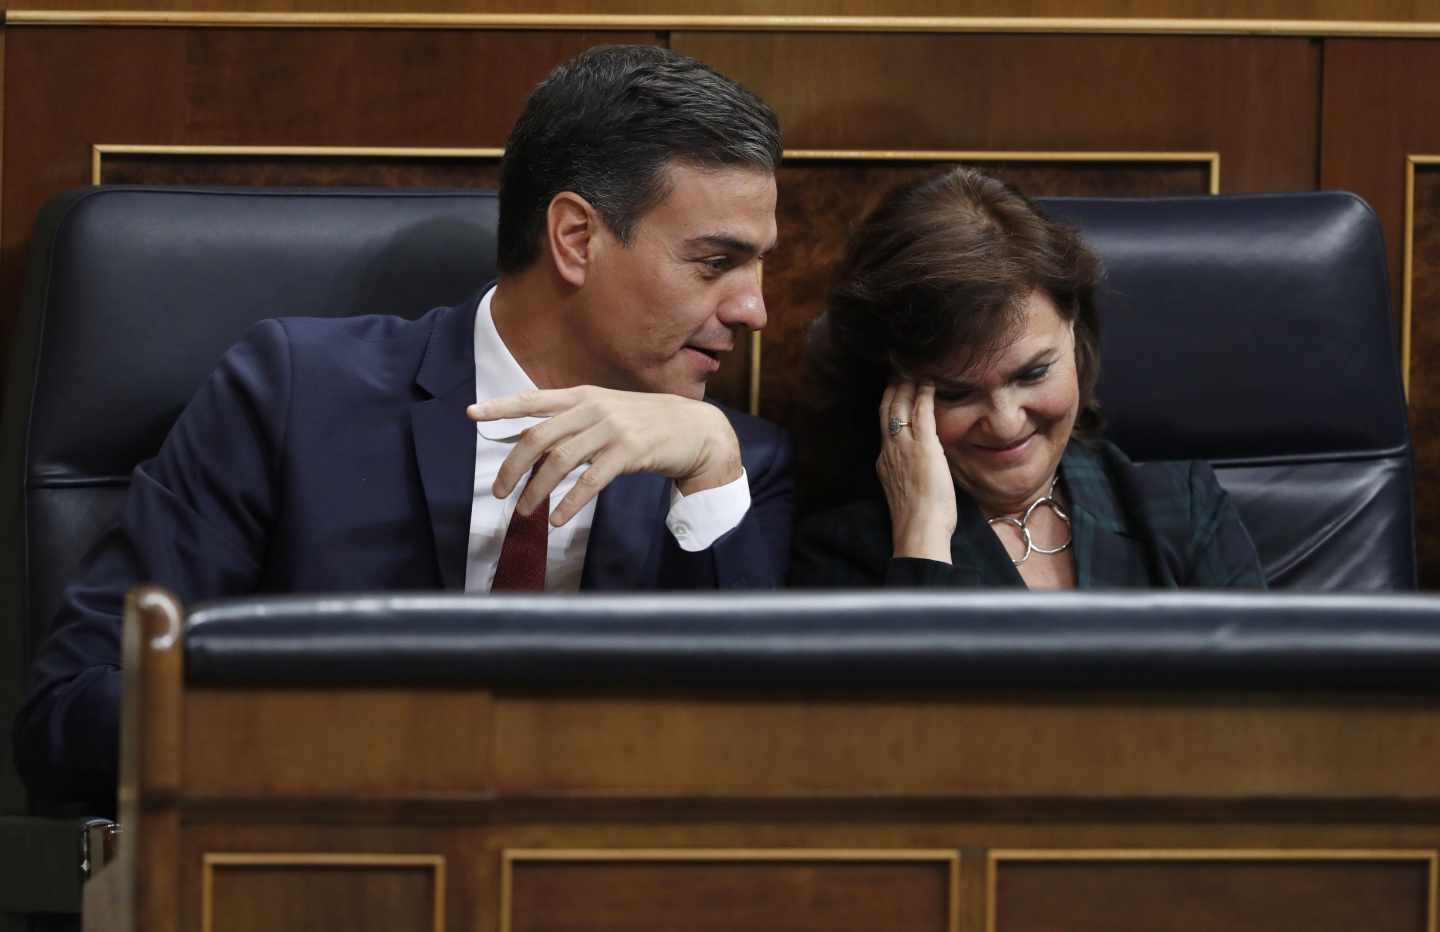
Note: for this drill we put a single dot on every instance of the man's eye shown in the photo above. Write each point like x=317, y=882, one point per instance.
x=716, y=264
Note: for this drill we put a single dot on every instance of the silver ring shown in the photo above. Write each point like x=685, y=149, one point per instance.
x=896, y=425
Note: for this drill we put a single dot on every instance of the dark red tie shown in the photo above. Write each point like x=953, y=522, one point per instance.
x=522, y=555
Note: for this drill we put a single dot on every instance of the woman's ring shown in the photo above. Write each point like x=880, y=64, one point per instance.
x=896, y=425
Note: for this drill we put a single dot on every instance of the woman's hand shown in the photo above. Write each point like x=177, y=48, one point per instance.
x=915, y=474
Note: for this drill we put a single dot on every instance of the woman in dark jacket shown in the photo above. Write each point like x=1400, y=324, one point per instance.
x=961, y=345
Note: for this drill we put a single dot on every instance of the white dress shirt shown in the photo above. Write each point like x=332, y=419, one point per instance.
x=697, y=520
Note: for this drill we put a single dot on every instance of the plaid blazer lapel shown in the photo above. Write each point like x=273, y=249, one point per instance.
x=1108, y=553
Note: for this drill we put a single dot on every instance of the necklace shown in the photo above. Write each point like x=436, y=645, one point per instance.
x=1022, y=524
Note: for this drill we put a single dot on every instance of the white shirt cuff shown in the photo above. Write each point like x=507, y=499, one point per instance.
x=700, y=519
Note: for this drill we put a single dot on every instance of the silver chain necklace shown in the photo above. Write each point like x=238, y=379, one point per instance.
x=1022, y=524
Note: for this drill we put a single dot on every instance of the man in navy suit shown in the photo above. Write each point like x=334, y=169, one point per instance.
x=549, y=434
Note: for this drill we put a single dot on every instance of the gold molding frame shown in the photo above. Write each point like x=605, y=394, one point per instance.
x=1430, y=858
x=1407, y=317
x=509, y=857
x=1209, y=159
x=732, y=23
x=212, y=861
x=100, y=150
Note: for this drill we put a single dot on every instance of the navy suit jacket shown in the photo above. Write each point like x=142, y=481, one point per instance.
x=329, y=455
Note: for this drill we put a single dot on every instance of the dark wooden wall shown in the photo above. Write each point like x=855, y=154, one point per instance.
x=1312, y=103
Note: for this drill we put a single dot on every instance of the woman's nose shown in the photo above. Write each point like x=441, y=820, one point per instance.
x=1006, y=418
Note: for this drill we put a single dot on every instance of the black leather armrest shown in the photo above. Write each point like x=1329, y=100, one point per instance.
x=845, y=641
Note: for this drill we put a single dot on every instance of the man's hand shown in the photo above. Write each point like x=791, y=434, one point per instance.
x=616, y=433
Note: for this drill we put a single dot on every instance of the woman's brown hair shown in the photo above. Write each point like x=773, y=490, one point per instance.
x=941, y=268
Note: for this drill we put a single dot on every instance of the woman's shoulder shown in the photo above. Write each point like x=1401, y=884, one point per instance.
x=1181, y=508
x=1170, y=481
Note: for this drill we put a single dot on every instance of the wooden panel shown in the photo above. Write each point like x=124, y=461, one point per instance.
x=1424, y=366
x=336, y=742
x=471, y=836
x=323, y=87
x=437, y=870
x=1225, y=747
x=760, y=893
x=822, y=200
x=1378, y=101
x=1223, y=894
x=286, y=893
x=1378, y=105
x=1252, y=100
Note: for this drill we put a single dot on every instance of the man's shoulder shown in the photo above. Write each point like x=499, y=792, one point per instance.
x=752, y=427
x=764, y=445
x=380, y=331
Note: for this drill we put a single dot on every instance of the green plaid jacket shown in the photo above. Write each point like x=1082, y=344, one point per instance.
x=1158, y=526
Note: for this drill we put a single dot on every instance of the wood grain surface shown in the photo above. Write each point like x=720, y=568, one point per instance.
x=371, y=894
x=402, y=88
x=1378, y=101
x=1425, y=369
x=1230, y=895
x=650, y=896
x=1252, y=100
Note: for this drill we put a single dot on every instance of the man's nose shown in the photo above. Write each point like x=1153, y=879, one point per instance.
x=746, y=307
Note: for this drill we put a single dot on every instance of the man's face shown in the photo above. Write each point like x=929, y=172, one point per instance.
x=660, y=312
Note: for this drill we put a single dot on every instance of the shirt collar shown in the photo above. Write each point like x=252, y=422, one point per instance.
x=497, y=375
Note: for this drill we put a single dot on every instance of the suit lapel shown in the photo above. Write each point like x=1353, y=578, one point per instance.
x=1108, y=555
x=975, y=546
x=445, y=437
x=627, y=533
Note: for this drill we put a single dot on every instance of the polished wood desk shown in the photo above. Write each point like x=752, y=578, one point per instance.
x=449, y=808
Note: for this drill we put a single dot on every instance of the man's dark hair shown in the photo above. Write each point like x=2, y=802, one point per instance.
x=607, y=124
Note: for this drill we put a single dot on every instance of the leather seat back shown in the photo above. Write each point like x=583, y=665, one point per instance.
x=1255, y=332
x=133, y=294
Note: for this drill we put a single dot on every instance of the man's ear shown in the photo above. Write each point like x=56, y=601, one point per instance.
x=571, y=228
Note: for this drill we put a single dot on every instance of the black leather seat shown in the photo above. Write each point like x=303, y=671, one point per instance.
x=1255, y=332
x=131, y=297
x=1251, y=331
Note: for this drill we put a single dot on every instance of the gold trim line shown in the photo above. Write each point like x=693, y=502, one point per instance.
x=731, y=23
x=213, y=860
x=1214, y=854
x=935, y=855
x=1407, y=300
x=1174, y=855
x=100, y=150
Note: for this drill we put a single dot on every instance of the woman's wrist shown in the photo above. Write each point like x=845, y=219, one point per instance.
x=926, y=541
